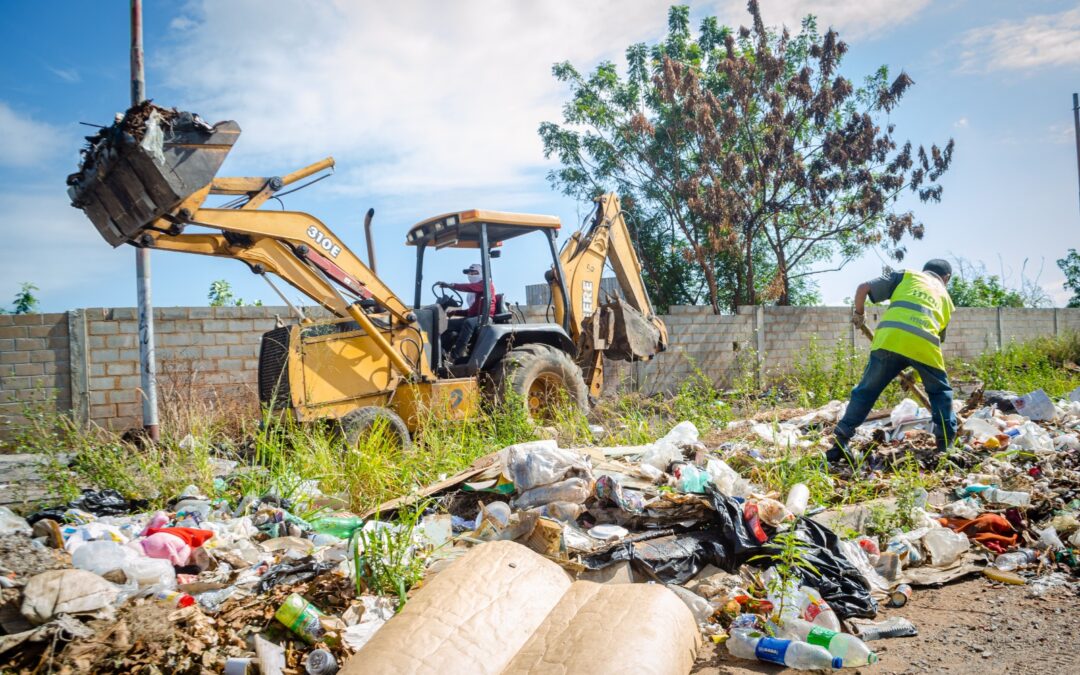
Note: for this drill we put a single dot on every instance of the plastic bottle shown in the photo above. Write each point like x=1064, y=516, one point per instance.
x=574, y=490
x=999, y=496
x=749, y=644
x=320, y=662
x=753, y=522
x=849, y=648
x=802, y=602
x=1007, y=562
x=340, y=527
x=798, y=498
x=174, y=598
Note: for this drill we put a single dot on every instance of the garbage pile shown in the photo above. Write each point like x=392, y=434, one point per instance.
x=219, y=585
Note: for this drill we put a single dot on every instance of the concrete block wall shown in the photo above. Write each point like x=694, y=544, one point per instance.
x=34, y=363
x=87, y=360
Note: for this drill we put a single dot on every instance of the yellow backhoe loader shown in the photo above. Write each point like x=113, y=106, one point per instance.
x=145, y=180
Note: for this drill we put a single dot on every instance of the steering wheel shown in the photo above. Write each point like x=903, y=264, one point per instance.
x=446, y=297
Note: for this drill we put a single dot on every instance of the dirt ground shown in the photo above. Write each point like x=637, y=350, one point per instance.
x=969, y=626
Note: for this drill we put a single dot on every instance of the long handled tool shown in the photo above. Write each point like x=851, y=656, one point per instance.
x=906, y=380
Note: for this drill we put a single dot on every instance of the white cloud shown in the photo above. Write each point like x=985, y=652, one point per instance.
x=1038, y=41
x=69, y=75
x=961, y=123
x=49, y=243
x=408, y=97
x=860, y=19
x=27, y=142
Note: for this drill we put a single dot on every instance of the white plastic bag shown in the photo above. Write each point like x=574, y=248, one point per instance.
x=1036, y=406
x=1032, y=437
x=945, y=546
x=540, y=463
x=11, y=523
x=669, y=448
x=102, y=557
x=907, y=411
x=726, y=479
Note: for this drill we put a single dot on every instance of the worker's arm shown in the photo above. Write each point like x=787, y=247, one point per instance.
x=860, y=297
x=474, y=287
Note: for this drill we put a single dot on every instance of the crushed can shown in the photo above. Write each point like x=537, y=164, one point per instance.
x=899, y=596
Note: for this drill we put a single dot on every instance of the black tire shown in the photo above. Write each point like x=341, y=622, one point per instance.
x=360, y=422
x=542, y=376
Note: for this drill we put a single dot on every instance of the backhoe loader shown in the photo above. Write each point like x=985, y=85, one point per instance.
x=145, y=180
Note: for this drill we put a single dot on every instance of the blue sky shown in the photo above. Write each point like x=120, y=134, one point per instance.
x=431, y=107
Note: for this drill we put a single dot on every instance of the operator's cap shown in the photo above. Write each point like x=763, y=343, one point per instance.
x=473, y=269
x=940, y=267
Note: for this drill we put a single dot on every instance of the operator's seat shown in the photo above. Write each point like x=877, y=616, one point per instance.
x=502, y=312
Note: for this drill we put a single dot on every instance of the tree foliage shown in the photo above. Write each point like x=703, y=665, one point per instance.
x=25, y=301
x=1070, y=267
x=745, y=160
x=982, y=291
x=221, y=295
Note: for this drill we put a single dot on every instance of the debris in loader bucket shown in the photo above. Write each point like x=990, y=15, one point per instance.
x=144, y=165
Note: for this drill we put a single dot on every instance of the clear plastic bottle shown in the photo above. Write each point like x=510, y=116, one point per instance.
x=895, y=627
x=749, y=644
x=1007, y=562
x=802, y=602
x=851, y=649
x=999, y=496
x=798, y=498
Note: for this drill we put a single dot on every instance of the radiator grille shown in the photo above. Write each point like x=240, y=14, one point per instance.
x=273, y=368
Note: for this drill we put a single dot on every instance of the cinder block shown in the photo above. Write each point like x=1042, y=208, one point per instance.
x=104, y=355
x=102, y=383
x=126, y=341
x=7, y=344
x=28, y=369
x=200, y=312
x=13, y=331
x=103, y=328
x=128, y=382
x=174, y=339
x=226, y=338
x=28, y=319
x=241, y=325
x=48, y=330
x=9, y=382
x=171, y=313
x=44, y=356
x=98, y=397
x=215, y=352
x=215, y=325
x=122, y=314
x=243, y=351
x=228, y=312
x=123, y=396
x=30, y=343
x=122, y=368
x=129, y=355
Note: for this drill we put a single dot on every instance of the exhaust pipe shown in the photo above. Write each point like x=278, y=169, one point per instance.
x=370, y=241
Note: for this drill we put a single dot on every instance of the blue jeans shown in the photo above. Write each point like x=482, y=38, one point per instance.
x=882, y=368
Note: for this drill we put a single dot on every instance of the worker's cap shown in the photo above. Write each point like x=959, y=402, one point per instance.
x=940, y=267
x=472, y=269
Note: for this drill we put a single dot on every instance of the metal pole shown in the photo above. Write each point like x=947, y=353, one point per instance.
x=1076, y=127
x=148, y=365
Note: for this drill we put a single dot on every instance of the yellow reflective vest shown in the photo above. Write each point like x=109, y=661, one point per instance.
x=918, y=311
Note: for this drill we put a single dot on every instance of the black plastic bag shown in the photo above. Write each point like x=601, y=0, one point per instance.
x=97, y=502
x=841, y=585
x=292, y=572
x=670, y=559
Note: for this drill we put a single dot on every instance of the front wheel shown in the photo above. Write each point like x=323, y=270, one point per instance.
x=365, y=424
x=543, y=378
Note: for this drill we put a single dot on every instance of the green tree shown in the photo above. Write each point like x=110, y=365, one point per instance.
x=744, y=158
x=1070, y=267
x=982, y=291
x=221, y=295
x=25, y=301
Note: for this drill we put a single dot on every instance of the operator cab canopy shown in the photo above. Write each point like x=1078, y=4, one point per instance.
x=462, y=229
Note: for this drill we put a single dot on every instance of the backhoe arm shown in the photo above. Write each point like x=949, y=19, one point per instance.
x=623, y=330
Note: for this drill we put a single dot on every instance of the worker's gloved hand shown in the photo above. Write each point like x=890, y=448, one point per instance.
x=441, y=284
x=858, y=319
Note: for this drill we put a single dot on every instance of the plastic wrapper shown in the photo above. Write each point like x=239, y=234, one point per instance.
x=669, y=448
x=539, y=463
x=1036, y=406
x=103, y=557
x=674, y=559
x=907, y=411
x=945, y=546
x=11, y=523
x=838, y=581
x=575, y=490
x=726, y=479
x=292, y=572
x=96, y=502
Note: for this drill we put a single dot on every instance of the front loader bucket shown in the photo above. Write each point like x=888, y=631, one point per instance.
x=624, y=333
x=142, y=167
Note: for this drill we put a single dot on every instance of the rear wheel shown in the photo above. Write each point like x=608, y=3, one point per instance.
x=542, y=377
x=362, y=424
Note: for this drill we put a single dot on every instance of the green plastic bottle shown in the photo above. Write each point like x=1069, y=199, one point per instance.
x=301, y=617
x=340, y=527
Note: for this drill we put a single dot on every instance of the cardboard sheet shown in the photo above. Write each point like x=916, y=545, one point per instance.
x=502, y=608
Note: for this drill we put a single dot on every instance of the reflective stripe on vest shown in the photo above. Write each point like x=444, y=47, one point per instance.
x=918, y=311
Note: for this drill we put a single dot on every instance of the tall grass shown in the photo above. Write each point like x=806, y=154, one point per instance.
x=1048, y=363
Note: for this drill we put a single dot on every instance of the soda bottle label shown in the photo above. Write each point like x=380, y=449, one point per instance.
x=771, y=650
x=811, y=611
x=820, y=636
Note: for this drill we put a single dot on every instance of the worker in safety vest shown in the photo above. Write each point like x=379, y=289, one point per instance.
x=910, y=333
